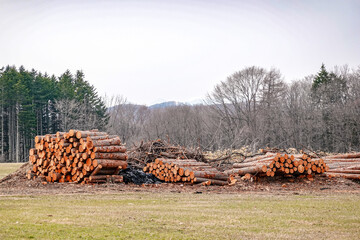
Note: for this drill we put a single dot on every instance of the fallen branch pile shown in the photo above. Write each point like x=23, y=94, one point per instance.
x=188, y=170
x=78, y=156
x=272, y=164
x=147, y=152
x=344, y=165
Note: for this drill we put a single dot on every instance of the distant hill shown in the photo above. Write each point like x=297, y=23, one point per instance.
x=173, y=103
x=161, y=105
x=164, y=105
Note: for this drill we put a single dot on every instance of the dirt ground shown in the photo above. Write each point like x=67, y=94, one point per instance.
x=17, y=184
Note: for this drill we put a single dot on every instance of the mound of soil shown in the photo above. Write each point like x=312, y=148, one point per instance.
x=17, y=176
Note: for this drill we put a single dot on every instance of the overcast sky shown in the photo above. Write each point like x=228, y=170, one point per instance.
x=152, y=51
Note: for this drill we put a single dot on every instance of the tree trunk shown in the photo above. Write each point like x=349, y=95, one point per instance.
x=10, y=134
x=17, y=148
x=2, y=124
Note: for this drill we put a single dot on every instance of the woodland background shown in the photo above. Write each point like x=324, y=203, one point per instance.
x=253, y=107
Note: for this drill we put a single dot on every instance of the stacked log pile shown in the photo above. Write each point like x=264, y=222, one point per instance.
x=78, y=156
x=147, y=152
x=272, y=164
x=344, y=165
x=186, y=171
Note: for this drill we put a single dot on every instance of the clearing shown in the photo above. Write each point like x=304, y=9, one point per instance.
x=7, y=168
x=323, y=209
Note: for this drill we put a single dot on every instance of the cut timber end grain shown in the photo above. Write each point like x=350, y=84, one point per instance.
x=62, y=157
x=72, y=132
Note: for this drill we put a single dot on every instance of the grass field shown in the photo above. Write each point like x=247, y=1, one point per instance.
x=7, y=168
x=180, y=216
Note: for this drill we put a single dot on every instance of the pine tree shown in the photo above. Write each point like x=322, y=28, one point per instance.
x=27, y=102
x=323, y=77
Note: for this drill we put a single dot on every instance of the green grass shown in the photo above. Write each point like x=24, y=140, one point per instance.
x=7, y=168
x=180, y=216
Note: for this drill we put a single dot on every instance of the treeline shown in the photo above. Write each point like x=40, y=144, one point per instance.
x=33, y=103
x=253, y=107
x=256, y=107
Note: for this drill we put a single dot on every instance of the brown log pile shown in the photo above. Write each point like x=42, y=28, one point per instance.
x=272, y=164
x=187, y=171
x=77, y=156
x=147, y=152
x=344, y=165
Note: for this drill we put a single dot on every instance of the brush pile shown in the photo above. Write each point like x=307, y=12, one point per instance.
x=147, y=152
x=186, y=171
x=344, y=165
x=272, y=164
x=78, y=156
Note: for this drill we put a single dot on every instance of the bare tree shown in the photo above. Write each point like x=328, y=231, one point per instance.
x=126, y=120
x=236, y=103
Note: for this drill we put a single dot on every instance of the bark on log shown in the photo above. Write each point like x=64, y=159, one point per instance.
x=218, y=176
x=105, y=177
x=92, y=138
x=248, y=164
x=96, y=170
x=344, y=175
x=252, y=170
x=260, y=157
x=110, y=149
x=348, y=155
x=109, y=171
x=213, y=181
x=344, y=171
x=116, y=155
x=84, y=134
x=109, y=163
x=105, y=142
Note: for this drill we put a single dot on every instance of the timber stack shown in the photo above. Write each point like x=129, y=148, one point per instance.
x=187, y=171
x=344, y=165
x=78, y=156
x=272, y=164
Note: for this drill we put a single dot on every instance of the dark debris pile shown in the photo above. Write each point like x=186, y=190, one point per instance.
x=132, y=175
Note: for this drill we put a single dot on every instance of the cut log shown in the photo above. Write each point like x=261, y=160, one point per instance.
x=213, y=181
x=351, y=171
x=105, y=142
x=96, y=170
x=84, y=134
x=260, y=157
x=348, y=155
x=115, y=155
x=344, y=175
x=92, y=138
x=109, y=163
x=248, y=164
x=252, y=170
x=218, y=176
x=110, y=149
